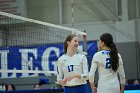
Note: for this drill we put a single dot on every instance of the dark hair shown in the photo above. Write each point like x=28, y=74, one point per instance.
x=69, y=38
x=13, y=86
x=108, y=40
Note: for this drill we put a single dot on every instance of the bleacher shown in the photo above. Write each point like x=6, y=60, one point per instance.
x=27, y=83
x=130, y=88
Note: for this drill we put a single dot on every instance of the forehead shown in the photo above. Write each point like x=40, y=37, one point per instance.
x=37, y=86
x=9, y=86
x=136, y=81
x=75, y=38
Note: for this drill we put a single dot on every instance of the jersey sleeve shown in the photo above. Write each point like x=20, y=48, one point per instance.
x=59, y=71
x=85, y=68
x=121, y=71
x=93, y=68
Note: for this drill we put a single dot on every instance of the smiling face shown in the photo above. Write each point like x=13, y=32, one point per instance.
x=74, y=43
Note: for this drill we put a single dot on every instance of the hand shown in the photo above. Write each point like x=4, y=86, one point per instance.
x=74, y=76
x=95, y=90
x=69, y=78
x=63, y=81
x=78, y=76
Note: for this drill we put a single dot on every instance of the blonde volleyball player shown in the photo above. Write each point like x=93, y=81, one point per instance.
x=72, y=68
x=109, y=63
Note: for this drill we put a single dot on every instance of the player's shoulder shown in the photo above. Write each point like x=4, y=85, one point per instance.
x=61, y=58
x=119, y=55
x=81, y=55
x=120, y=59
x=98, y=53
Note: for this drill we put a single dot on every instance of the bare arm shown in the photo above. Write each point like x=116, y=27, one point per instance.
x=93, y=87
x=122, y=88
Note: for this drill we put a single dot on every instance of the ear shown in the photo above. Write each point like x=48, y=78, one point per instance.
x=103, y=44
x=68, y=42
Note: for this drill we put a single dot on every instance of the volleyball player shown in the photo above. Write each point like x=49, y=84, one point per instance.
x=72, y=68
x=109, y=63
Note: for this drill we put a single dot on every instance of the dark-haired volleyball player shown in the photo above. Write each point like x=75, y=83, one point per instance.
x=109, y=63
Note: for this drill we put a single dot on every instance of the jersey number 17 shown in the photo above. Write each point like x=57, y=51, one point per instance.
x=70, y=68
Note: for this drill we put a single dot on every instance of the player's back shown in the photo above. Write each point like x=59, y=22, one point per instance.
x=107, y=77
x=104, y=68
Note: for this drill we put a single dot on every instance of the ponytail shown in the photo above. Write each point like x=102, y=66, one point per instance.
x=65, y=46
x=114, y=57
x=108, y=40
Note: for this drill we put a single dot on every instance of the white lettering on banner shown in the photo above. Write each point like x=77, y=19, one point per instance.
x=55, y=65
x=13, y=74
x=27, y=62
x=45, y=58
x=4, y=58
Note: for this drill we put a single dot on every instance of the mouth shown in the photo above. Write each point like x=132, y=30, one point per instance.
x=76, y=45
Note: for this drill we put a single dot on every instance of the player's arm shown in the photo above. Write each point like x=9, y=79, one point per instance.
x=60, y=75
x=121, y=74
x=122, y=88
x=85, y=68
x=92, y=72
x=91, y=76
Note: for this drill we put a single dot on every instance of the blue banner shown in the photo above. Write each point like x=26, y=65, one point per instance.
x=39, y=57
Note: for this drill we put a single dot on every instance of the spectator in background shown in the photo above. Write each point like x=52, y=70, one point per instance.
x=136, y=82
x=36, y=86
x=10, y=87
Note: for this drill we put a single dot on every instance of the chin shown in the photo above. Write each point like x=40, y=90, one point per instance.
x=100, y=48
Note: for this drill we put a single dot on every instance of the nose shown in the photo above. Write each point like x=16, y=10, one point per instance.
x=77, y=43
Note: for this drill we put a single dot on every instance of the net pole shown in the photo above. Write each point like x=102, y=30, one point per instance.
x=85, y=43
x=72, y=13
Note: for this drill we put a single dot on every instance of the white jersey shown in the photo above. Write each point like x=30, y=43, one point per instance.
x=108, y=80
x=67, y=66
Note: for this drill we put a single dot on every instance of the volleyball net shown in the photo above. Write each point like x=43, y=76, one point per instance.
x=32, y=47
